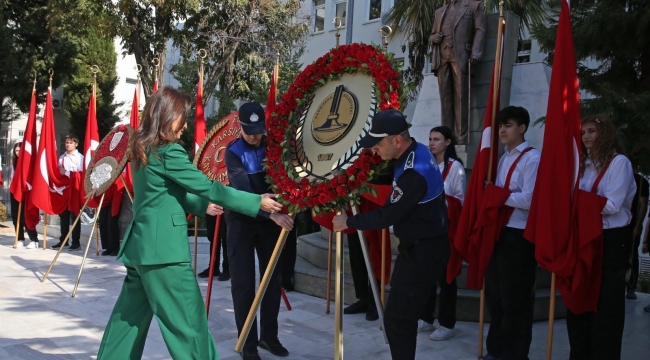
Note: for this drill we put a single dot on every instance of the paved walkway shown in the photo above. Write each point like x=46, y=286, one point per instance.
x=42, y=321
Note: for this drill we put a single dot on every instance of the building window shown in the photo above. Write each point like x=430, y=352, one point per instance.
x=340, y=10
x=21, y=133
x=523, y=51
x=319, y=15
x=374, y=9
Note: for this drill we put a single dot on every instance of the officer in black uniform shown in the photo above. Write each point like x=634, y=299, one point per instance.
x=418, y=213
x=247, y=236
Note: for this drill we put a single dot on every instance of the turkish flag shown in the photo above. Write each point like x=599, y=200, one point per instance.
x=200, y=130
x=127, y=176
x=270, y=102
x=21, y=183
x=48, y=192
x=553, y=219
x=475, y=192
x=91, y=141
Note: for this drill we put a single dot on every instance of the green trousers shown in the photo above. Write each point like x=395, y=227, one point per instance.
x=171, y=293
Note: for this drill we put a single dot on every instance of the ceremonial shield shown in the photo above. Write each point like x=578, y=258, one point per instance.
x=210, y=157
x=108, y=161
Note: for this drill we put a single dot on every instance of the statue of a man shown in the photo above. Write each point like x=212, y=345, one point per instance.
x=458, y=39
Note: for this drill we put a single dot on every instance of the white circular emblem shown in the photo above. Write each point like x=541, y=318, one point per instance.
x=254, y=118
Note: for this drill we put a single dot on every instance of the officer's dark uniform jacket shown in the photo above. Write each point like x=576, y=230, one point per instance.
x=246, y=173
x=416, y=207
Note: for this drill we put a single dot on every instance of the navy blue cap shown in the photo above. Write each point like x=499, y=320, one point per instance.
x=384, y=123
x=252, y=118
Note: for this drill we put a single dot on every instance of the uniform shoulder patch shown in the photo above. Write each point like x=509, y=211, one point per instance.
x=396, y=195
x=410, y=161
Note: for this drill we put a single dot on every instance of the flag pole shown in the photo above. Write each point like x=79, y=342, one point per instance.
x=264, y=283
x=65, y=240
x=551, y=320
x=20, y=209
x=495, y=91
x=338, y=297
x=328, y=296
x=83, y=261
x=202, y=54
x=51, y=72
x=94, y=69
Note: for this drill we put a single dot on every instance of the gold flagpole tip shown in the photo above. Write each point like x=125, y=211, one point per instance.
x=501, y=8
x=202, y=53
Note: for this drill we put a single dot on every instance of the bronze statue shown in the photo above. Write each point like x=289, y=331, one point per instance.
x=458, y=38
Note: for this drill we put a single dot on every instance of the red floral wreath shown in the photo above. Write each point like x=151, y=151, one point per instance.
x=325, y=196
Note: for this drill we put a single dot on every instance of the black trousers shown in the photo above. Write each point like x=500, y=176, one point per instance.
x=358, y=268
x=66, y=217
x=510, y=295
x=109, y=232
x=410, y=289
x=598, y=335
x=245, y=239
x=211, y=224
x=634, y=275
x=448, y=296
x=287, y=261
x=33, y=235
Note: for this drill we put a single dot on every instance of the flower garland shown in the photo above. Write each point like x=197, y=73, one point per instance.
x=349, y=184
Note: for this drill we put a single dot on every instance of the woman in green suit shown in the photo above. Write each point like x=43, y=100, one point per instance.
x=159, y=278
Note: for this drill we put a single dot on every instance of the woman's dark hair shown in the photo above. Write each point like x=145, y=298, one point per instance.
x=156, y=127
x=450, y=152
x=14, y=158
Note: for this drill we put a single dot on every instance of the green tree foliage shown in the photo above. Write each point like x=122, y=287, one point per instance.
x=415, y=19
x=613, y=53
x=241, y=39
x=145, y=27
x=96, y=49
x=31, y=45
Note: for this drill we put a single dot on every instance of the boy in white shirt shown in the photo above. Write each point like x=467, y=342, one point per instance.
x=71, y=161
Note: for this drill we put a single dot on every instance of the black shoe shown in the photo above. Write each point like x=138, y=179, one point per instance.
x=361, y=306
x=371, y=314
x=75, y=248
x=250, y=354
x=274, y=347
x=114, y=253
x=225, y=276
x=106, y=253
x=288, y=287
x=204, y=274
x=630, y=294
x=57, y=246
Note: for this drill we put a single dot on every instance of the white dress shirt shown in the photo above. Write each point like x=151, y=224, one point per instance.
x=455, y=182
x=617, y=185
x=71, y=162
x=522, y=182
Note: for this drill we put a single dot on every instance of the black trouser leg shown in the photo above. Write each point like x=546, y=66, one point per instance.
x=634, y=275
x=288, y=260
x=599, y=335
x=510, y=295
x=66, y=217
x=410, y=289
x=358, y=267
x=447, y=307
x=244, y=239
x=14, y=217
x=104, y=224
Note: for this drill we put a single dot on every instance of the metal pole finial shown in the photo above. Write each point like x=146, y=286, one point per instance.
x=385, y=32
x=338, y=24
x=51, y=72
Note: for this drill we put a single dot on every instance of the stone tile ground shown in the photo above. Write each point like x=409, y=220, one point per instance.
x=42, y=321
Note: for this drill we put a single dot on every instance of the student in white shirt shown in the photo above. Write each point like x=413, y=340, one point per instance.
x=510, y=278
x=71, y=161
x=607, y=172
x=443, y=147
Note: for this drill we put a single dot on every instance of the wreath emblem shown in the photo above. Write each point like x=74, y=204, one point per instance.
x=297, y=191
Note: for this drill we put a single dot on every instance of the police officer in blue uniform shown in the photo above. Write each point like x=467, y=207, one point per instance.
x=418, y=213
x=248, y=236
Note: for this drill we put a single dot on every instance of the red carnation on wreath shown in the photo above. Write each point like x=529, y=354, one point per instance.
x=325, y=196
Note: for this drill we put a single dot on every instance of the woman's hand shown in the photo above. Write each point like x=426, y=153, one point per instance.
x=270, y=205
x=284, y=221
x=214, y=209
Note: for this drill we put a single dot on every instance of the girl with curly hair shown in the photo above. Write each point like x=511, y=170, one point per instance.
x=605, y=171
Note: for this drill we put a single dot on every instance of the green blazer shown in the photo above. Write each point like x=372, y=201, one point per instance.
x=167, y=188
